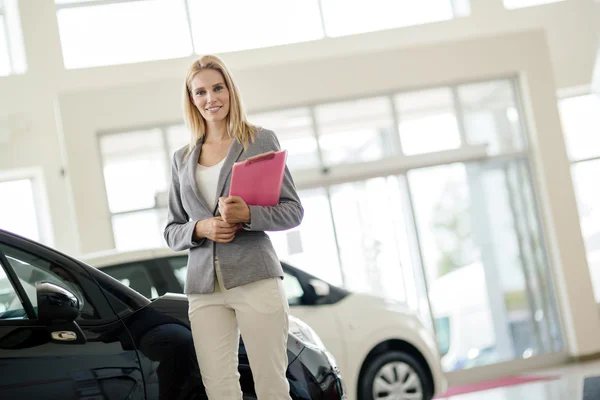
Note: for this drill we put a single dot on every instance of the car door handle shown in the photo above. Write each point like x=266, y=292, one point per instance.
x=65, y=336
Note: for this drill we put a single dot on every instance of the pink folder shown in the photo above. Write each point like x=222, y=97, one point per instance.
x=258, y=179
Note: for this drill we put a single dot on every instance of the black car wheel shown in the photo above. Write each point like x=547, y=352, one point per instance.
x=395, y=375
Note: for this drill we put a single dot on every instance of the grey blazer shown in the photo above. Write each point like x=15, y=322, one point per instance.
x=250, y=256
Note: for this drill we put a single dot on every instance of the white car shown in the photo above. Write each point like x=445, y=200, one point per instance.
x=383, y=350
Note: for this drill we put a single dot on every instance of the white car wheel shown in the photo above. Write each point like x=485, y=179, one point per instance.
x=397, y=380
x=395, y=375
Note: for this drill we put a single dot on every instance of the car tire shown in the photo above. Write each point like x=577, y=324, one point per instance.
x=389, y=373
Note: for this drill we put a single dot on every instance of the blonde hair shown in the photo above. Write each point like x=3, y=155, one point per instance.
x=238, y=126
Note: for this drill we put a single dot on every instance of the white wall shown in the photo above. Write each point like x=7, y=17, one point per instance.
x=65, y=110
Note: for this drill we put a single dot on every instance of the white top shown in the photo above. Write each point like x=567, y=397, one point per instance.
x=207, y=179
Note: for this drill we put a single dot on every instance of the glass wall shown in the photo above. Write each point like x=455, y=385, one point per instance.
x=459, y=242
x=581, y=126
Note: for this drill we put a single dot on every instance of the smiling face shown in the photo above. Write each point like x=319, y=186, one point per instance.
x=210, y=95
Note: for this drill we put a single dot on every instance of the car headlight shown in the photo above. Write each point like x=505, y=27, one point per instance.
x=305, y=334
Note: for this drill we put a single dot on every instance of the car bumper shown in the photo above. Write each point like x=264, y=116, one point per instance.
x=314, y=375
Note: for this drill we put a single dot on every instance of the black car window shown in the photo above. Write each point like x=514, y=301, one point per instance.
x=30, y=269
x=293, y=289
x=179, y=267
x=135, y=276
x=11, y=306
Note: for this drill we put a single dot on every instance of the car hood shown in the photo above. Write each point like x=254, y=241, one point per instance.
x=369, y=303
x=361, y=308
x=174, y=305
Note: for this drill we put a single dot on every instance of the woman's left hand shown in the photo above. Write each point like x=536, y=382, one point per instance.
x=234, y=210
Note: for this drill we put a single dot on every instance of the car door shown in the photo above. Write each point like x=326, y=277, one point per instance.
x=91, y=357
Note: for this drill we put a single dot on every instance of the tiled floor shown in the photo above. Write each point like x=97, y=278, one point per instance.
x=569, y=386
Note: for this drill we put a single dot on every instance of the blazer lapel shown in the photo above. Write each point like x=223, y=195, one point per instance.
x=192, y=165
x=234, y=153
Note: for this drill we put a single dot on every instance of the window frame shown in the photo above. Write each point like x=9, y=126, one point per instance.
x=166, y=145
x=459, y=9
x=455, y=8
x=328, y=175
x=91, y=3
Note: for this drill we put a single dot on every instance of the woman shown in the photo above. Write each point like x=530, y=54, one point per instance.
x=234, y=278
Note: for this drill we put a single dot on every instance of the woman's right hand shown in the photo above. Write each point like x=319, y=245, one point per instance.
x=215, y=229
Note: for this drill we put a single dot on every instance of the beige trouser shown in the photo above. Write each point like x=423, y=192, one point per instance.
x=260, y=311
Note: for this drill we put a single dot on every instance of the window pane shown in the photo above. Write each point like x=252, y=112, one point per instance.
x=491, y=116
x=442, y=328
x=346, y=18
x=293, y=289
x=295, y=132
x=15, y=36
x=581, y=124
x=356, y=131
x=512, y=4
x=139, y=230
x=177, y=137
x=315, y=252
x=10, y=302
x=135, y=169
x=462, y=8
x=374, y=250
x=585, y=180
x=254, y=24
x=485, y=262
x=5, y=68
x=427, y=121
x=18, y=213
x=179, y=266
x=31, y=269
x=121, y=33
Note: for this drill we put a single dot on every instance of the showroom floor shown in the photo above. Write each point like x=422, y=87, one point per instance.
x=565, y=383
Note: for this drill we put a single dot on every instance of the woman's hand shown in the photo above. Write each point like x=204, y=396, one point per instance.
x=234, y=210
x=215, y=229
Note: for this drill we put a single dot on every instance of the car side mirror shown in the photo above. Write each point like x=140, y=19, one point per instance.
x=56, y=304
x=315, y=291
x=58, y=309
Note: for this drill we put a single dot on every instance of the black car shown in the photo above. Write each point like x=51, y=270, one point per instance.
x=70, y=331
